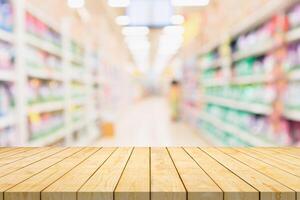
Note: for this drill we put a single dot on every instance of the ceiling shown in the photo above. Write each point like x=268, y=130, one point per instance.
x=202, y=25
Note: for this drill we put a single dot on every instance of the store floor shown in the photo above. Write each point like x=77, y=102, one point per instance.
x=147, y=123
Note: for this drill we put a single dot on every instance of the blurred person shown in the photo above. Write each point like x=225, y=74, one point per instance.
x=174, y=99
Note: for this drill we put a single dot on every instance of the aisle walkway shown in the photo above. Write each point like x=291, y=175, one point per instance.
x=148, y=124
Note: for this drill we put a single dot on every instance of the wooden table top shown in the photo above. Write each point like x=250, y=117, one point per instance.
x=149, y=173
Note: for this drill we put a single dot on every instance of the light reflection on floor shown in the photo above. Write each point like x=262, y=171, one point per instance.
x=148, y=124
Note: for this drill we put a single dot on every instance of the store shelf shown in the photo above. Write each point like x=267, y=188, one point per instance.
x=294, y=76
x=292, y=115
x=78, y=101
x=79, y=125
x=45, y=75
x=255, y=51
x=77, y=60
x=78, y=79
x=95, y=117
x=214, y=83
x=238, y=105
x=97, y=80
x=49, y=138
x=43, y=45
x=48, y=60
x=6, y=75
x=214, y=65
x=46, y=107
x=244, y=80
x=236, y=131
x=293, y=35
x=38, y=13
x=6, y=121
x=7, y=36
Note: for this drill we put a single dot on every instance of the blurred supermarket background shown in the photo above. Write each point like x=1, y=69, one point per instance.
x=149, y=72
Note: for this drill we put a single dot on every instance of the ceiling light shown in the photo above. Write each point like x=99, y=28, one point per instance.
x=122, y=20
x=76, y=3
x=177, y=19
x=191, y=3
x=135, y=30
x=118, y=3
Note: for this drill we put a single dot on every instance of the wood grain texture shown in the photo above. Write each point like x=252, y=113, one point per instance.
x=149, y=173
x=9, y=168
x=12, y=179
x=279, y=155
x=13, y=151
x=294, y=152
x=135, y=181
x=269, y=189
x=281, y=176
x=198, y=184
x=22, y=155
x=31, y=188
x=234, y=188
x=289, y=151
x=103, y=183
x=286, y=166
x=68, y=185
x=165, y=181
x=5, y=149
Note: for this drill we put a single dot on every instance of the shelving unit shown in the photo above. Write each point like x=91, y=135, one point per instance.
x=292, y=115
x=7, y=121
x=43, y=45
x=46, y=107
x=7, y=36
x=51, y=138
x=7, y=76
x=294, y=76
x=245, y=80
x=236, y=132
x=240, y=77
x=43, y=76
x=258, y=50
x=238, y=105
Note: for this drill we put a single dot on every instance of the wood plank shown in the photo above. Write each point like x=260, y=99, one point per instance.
x=165, y=181
x=68, y=185
x=31, y=188
x=281, y=176
x=295, y=152
x=14, y=151
x=198, y=184
x=5, y=149
x=135, y=180
x=9, y=168
x=22, y=155
x=12, y=179
x=268, y=188
x=141, y=173
x=103, y=183
x=233, y=187
x=288, y=167
x=279, y=155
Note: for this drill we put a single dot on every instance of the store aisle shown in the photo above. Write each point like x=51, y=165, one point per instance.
x=148, y=123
